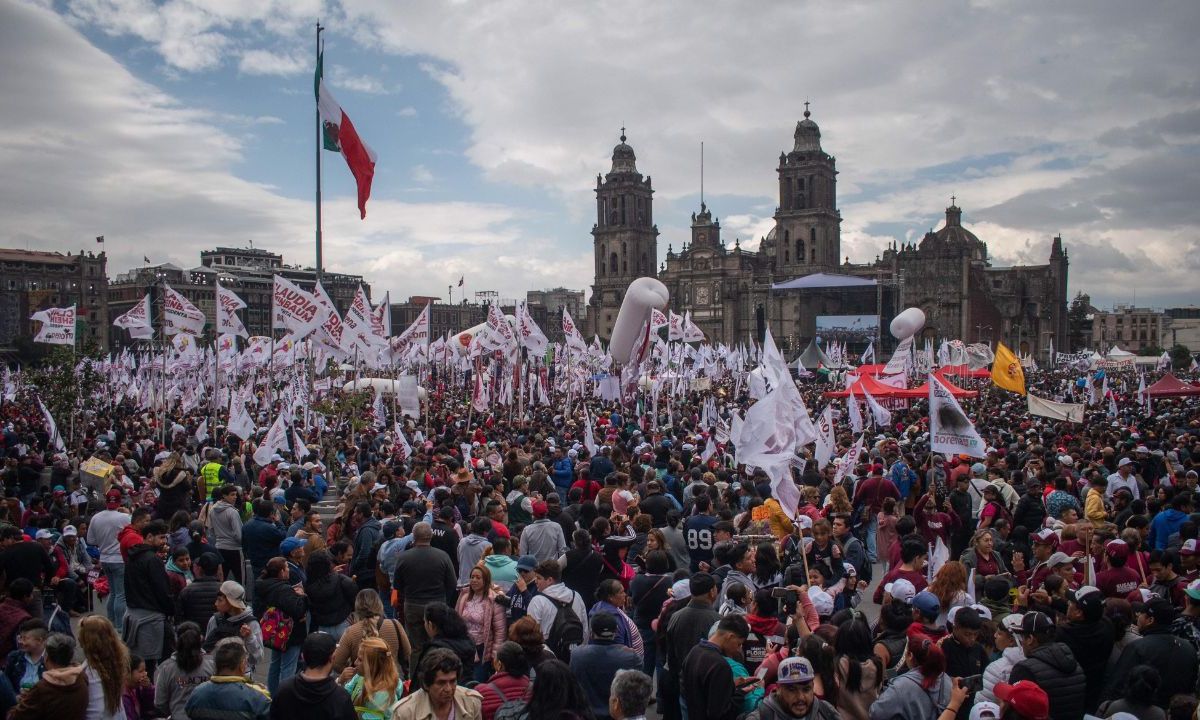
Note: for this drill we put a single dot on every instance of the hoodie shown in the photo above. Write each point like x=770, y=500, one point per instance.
x=299, y=697
x=503, y=569
x=127, y=538
x=470, y=549
x=225, y=526
x=754, y=650
x=739, y=577
x=62, y=693
x=905, y=698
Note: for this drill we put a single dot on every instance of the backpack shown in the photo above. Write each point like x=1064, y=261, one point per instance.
x=509, y=709
x=277, y=628
x=566, y=630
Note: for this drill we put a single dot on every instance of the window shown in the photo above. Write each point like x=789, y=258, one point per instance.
x=612, y=264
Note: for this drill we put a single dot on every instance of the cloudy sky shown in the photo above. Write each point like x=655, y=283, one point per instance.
x=173, y=126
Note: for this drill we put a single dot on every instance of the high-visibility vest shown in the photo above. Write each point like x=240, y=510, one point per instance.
x=211, y=472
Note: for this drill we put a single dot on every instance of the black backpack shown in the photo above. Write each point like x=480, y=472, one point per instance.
x=566, y=630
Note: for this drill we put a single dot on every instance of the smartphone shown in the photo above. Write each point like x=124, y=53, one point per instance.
x=973, y=683
x=789, y=596
x=776, y=640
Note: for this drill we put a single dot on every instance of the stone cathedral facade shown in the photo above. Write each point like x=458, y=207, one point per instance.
x=734, y=294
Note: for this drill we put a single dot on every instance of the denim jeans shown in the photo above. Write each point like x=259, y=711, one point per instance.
x=872, y=534
x=335, y=630
x=283, y=666
x=115, y=607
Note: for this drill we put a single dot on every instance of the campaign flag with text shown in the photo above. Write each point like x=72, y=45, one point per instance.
x=574, y=340
x=228, y=303
x=179, y=315
x=58, y=326
x=950, y=431
x=294, y=309
x=137, y=320
x=532, y=336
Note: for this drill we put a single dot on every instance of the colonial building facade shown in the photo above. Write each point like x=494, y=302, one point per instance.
x=795, y=275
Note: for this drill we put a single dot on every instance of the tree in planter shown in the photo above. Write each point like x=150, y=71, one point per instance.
x=67, y=382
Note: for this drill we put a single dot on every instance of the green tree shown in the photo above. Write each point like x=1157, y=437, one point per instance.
x=1181, y=357
x=67, y=382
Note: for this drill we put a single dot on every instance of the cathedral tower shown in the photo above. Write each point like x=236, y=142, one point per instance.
x=807, y=221
x=625, y=238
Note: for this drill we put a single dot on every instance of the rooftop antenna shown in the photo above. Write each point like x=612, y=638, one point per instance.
x=701, y=174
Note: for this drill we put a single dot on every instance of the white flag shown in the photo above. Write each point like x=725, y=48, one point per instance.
x=481, y=399
x=826, y=442
x=674, y=327
x=1071, y=412
x=179, y=315
x=58, y=326
x=299, y=449
x=202, y=431
x=531, y=335
x=849, y=460
x=294, y=310
x=575, y=341
x=882, y=416
x=950, y=431
x=276, y=440
x=52, y=428
x=137, y=320
x=404, y=450
x=691, y=333
x=331, y=331
x=658, y=320
x=589, y=436
x=852, y=409
x=416, y=335
x=240, y=423
x=901, y=358
x=868, y=355
x=228, y=303
x=501, y=330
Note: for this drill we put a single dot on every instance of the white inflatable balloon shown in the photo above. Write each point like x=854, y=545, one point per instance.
x=382, y=385
x=462, y=341
x=644, y=294
x=907, y=323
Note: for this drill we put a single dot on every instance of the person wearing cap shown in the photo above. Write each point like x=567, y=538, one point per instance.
x=543, y=538
x=79, y=563
x=1090, y=637
x=925, y=611
x=102, y=533
x=965, y=655
x=1123, y=478
x=1008, y=642
x=1051, y=666
x=794, y=697
x=523, y=589
x=1175, y=658
x=1023, y=700
x=598, y=662
x=1119, y=579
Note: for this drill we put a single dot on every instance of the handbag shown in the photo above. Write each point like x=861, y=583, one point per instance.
x=277, y=628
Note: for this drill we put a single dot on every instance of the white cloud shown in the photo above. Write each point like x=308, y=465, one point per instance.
x=266, y=62
x=342, y=78
x=422, y=175
x=407, y=112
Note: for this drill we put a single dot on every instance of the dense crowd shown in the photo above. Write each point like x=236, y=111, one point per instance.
x=500, y=571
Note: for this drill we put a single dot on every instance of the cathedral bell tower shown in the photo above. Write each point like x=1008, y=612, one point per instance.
x=624, y=237
x=807, y=221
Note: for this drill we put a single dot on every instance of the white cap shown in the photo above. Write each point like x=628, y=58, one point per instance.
x=821, y=600
x=70, y=531
x=276, y=458
x=901, y=590
x=379, y=486
x=44, y=534
x=1123, y=462
x=984, y=710
x=1059, y=558
x=805, y=522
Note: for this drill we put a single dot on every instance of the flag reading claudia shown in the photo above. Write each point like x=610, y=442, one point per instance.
x=950, y=431
x=179, y=315
x=295, y=310
x=339, y=135
x=58, y=326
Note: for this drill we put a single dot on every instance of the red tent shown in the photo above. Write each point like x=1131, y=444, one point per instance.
x=1170, y=386
x=963, y=371
x=918, y=393
x=869, y=370
x=866, y=384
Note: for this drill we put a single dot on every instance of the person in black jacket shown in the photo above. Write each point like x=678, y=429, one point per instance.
x=195, y=602
x=330, y=595
x=1174, y=657
x=965, y=657
x=424, y=575
x=148, y=604
x=366, y=539
x=706, y=680
x=272, y=590
x=688, y=625
x=1090, y=636
x=313, y=693
x=1030, y=512
x=1052, y=667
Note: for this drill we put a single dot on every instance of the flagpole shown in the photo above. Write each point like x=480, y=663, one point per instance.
x=216, y=351
x=320, y=144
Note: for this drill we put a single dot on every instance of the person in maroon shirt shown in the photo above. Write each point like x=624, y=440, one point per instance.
x=913, y=555
x=870, y=493
x=1045, y=544
x=1119, y=579
x=933, y=523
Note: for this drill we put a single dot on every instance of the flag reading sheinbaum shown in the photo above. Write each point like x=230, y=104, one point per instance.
x=338, y=134
x=58, y=326
x=417, y=334
x=295, y=310
x=950, y=431
x=228, y=303
x=137, y=320
x=180, y=315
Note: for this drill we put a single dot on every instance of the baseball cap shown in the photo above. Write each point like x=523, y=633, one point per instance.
x=1059, y=559
x=1013, y=623
x=1046, y=536
x=276, y=458
x=527, y=562
x=378, y=486
x=927, y=603
x=113, y=498
x=604, y=626
x=290, y=545
x=1161, y=610
x=540, y=509
x=234, y=593
x=1193, y=588
x=1117, y=549
x=1029, y=700
x=1066, y=460
x=1036, y=622
x=1123, y=462
x=681, y=590
x=984, y=710
x=70, y=531
x=43, y=534
x=794, y=671
x=1088, y=598
x=902, y=590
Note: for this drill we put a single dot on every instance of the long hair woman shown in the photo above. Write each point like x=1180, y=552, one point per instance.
x=484, y=617
x=179, y=674
x=331, y=595
x=369, y=621
x=106, y=666
x=274, y=591
x=376, y=685
x=556, y=695
x=446, y=629
x=950, y=586
x=858, y=670
x=922, y=692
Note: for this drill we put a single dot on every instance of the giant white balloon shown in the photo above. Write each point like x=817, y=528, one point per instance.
x=643, y=295
x=907, y=323
x=462, y=341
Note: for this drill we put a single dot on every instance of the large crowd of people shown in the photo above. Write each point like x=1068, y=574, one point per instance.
x=499, y=570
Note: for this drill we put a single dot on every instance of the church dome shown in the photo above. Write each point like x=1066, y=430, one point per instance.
x=623, y=159
x=808, y=135
x=953, y=234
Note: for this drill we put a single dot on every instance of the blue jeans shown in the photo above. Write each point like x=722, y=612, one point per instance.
x=283, y=666
x=335, y=630
x=872, y=533
x=115, y=607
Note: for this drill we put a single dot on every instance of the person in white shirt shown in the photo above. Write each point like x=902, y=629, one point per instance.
x=1123, y=478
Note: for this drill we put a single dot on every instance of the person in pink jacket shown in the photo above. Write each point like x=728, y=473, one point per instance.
x=484, y=617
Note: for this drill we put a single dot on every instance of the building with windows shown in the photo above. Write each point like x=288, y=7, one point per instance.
x=1129, y=328
x=32, y=280
x=551, y=302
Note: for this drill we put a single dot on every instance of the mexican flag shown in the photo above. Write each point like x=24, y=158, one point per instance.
x=339, y=135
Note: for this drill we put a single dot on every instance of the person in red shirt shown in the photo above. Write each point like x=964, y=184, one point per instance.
x=131, y=534
x=1119, y=579
x=913, y=555
x=1045, y=543
x=870, y=494
x=934, y=523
